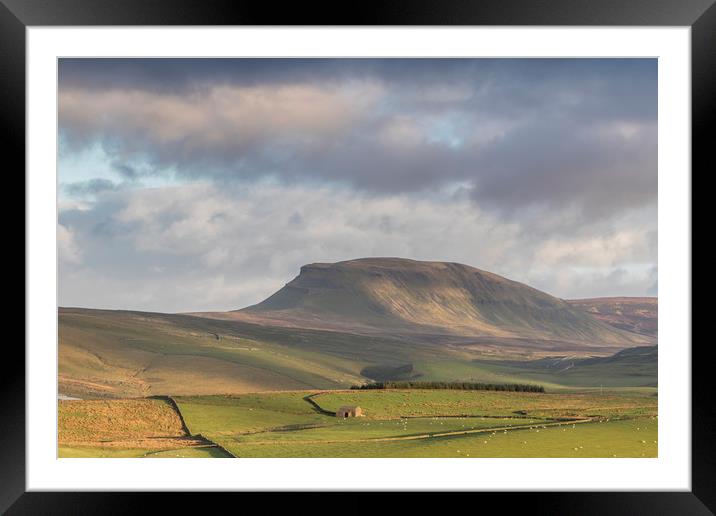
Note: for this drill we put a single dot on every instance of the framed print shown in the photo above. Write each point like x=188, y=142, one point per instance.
x=440, y=249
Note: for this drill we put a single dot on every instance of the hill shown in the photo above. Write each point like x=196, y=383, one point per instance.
x=115, y=353
x=336, y=325
x=396, y=295
x=634, y=314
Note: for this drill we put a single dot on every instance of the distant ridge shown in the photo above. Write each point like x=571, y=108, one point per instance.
x=397, y=295
x=634, y=314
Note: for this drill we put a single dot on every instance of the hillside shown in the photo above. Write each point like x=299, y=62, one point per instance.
x=632, y=367
x=114, y=353
x=635, y=314
x=405, y=296
x=118, y=353
x=333, y=326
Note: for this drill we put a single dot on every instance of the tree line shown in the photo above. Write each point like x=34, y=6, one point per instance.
x=464, y=386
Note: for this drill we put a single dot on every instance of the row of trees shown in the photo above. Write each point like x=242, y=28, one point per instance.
x=465, y=386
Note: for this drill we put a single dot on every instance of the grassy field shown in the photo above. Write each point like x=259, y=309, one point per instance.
x=628, y=438
x=100, y=452
x=429, y=423
x=214, y=416
x=83, y=421
x=125, y=428
x=396, y=423
x=379, y=404
x=213, y=452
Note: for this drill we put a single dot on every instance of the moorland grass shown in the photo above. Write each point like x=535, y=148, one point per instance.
x=119, y=354
x=82, y=421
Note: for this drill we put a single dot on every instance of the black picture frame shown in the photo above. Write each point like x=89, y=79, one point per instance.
x=17, y=15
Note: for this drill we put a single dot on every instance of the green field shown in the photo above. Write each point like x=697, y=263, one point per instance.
x=213, y=452
x=628, y=438
x=428, y=423
x=85, y=452
x=412, y=403
x=80, y=452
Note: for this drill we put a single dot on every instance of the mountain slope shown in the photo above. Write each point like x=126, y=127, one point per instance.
x=406, y=296
x=635, y=314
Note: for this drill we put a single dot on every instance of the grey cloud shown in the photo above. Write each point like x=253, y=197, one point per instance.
x=566, y=163
x=89, y=187
x=621, y=76
x=132, y=172
x=523, y=133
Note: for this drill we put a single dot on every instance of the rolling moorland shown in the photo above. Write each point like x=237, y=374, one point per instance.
x=264, y=380
x=635, y=314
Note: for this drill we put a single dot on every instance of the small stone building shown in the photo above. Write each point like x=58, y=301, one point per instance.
x=349, y=411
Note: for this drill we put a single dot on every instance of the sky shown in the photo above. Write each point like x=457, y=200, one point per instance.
x=204, y=184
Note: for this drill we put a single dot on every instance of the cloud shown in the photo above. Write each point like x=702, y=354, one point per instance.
x=543, y=170
x=522, y=134
x=596, y=250
x=67, y=249
x=218, y=125
x=88, y=187
x=201, y=247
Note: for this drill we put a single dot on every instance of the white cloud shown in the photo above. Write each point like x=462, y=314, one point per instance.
x=67, y=249
x=595, y=251
x=225, y=248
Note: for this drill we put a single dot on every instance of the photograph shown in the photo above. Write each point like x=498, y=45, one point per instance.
x=357, y=257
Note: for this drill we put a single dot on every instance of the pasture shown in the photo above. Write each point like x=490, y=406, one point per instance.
x=428, y=423
x=627, y=438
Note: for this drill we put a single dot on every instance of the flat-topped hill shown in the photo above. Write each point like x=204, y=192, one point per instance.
x=400, y=295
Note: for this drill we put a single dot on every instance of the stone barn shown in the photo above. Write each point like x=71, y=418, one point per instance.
x=349, y=411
